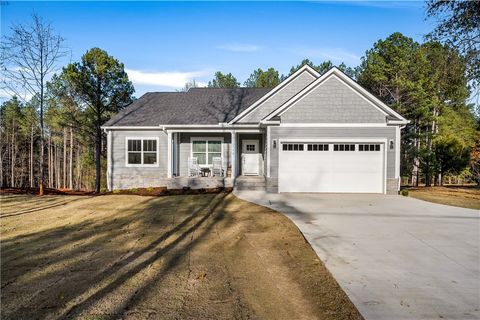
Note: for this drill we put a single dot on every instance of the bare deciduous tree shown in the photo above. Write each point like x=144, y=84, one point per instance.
x=29, y=55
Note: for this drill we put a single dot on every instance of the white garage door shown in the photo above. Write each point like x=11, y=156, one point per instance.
x=331, y=167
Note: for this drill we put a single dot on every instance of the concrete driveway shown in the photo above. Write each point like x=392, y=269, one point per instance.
x=395, y=257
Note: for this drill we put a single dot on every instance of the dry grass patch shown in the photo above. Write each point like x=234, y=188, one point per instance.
x=465, y=197
x=180, y=257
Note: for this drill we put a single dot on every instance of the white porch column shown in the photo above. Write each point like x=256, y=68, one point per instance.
x=169, y=154
x=268, y=152
x=175, y=154
x=233, y=156
x=109, y=160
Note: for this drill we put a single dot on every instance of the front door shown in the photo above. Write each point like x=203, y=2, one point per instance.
x=250, y=157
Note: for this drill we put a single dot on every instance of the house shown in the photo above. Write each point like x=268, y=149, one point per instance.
x=311, y=133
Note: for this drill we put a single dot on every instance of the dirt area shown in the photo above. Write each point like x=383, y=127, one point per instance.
x=459, y=196
x=157, y=191
x=208, y=256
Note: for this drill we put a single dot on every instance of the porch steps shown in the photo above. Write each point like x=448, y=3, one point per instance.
x=250, y=183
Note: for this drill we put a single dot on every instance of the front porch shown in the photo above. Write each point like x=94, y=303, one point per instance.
x=191, y=156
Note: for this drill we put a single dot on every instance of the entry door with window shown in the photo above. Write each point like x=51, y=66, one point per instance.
x=250, y=157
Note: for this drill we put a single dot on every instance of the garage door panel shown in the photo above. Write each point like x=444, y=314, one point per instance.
x=298, y=178
x=331, y=171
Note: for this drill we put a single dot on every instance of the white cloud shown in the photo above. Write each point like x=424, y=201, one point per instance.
x=7, y=94
x=173, y=79
x=239, y=47
x=395, y=5
x=336, y=55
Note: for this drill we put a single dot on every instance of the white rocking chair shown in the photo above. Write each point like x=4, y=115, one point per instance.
x=217, y=168
x=193, y=169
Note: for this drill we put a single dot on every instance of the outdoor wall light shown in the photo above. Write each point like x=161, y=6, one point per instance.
x=274, y=144
x=392, y=145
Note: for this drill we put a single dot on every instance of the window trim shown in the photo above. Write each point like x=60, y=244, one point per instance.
x=315, y=147
x=342, y=147
x=221, y=139
x=369, y=147
x=142, y=165
x=299, y=145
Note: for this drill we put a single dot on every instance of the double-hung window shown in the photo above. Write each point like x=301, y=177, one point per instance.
x=205, y=149
x=142, y=152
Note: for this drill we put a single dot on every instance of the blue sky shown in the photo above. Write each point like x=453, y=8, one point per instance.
x=165, y=44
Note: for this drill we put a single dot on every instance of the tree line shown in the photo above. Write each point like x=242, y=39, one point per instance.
x=50, y=129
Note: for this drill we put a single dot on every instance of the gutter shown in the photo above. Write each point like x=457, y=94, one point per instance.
x=397, y=122
x=189, y=126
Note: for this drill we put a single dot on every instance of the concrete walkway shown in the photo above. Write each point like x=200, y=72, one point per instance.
x=395, y=257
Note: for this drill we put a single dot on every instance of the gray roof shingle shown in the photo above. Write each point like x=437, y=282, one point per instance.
x=196, y=106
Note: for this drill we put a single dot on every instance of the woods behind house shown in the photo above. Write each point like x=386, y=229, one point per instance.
x=50, y=131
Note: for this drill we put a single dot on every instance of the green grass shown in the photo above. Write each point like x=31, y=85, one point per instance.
x=465, y=197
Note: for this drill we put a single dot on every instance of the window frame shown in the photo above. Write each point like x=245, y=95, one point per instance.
x=157, y=139
x=206, y=139
x=345, y=147
x=377, y=147
x=318, y=147
x=300, y=146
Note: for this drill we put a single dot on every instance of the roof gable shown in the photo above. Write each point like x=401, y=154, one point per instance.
x=332, y=101
x=350, y=84
x=278, y=95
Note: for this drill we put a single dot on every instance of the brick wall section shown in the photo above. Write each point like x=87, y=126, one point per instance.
x=272, y=185
x=332, y=102
x=199, y=183
x=392, y=186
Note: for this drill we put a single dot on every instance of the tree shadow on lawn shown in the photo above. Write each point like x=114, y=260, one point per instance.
x=62, y=271
x=50, y=203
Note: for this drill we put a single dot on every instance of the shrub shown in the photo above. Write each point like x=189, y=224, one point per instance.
x=404, y=192
x=116, y=191
x=133, y=190
x=150, y=189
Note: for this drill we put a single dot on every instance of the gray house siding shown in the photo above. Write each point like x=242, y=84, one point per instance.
x=185, y=147
x=278, y=133
x=332, y=102
x=124, y=177
x=279, y=98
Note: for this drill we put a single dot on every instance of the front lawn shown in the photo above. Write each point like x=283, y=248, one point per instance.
x=465, y=197
x=178, y=257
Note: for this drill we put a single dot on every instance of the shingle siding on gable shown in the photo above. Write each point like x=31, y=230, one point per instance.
x=332, y=102
x=279, y=98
